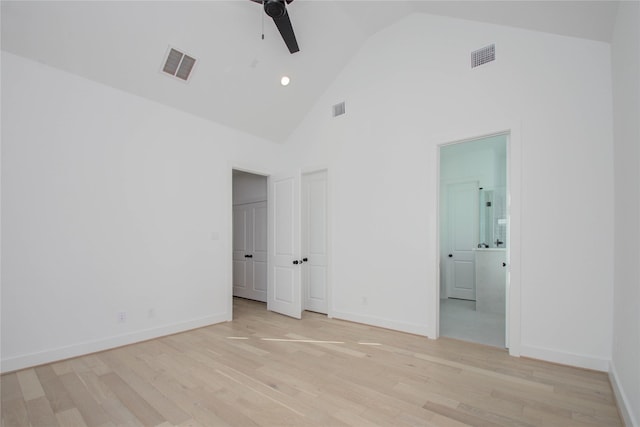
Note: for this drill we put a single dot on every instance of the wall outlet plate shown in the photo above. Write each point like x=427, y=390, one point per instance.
x=122, y=316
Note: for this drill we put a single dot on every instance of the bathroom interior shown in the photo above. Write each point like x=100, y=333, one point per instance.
x=473, y=240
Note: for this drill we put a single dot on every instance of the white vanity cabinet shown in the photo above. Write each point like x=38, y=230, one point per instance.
x=491, y=280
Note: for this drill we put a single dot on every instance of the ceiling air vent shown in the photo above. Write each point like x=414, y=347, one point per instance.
x=338, y=109
x=483, y=55
x=178, y=64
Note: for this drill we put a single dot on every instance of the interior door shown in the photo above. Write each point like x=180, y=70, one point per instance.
x=314, y=241
x=250, y=251
x=463, y=219
x=284, y=293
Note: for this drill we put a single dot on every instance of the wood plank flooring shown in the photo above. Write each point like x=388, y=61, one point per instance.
x=264, y=369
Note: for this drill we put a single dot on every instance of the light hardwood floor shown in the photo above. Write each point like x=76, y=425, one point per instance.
x=264, y=369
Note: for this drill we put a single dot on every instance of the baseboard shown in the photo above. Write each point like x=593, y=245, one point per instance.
x=621, y=398
x=563, y=358
x=75, y=350
x=380, y=322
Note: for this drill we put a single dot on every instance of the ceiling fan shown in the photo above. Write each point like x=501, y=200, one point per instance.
x=277, y=10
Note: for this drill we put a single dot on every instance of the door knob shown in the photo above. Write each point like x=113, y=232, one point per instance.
x=504, y=264
x=296, y=262
x=305, y=259
x=248, y=256
x=450, y=255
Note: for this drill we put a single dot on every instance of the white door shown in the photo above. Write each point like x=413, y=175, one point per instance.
x=250, y=251
x=314, y=241
x=463, y=219
x=284, y=293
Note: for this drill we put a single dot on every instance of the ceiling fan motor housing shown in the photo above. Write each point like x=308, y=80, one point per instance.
x=275, y=8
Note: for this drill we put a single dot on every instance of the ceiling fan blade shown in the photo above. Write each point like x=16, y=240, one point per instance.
x=286, y=31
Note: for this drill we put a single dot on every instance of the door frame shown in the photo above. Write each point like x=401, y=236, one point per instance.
x=514, y=201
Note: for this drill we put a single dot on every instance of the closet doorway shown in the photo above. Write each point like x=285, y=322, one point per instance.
x=263, y=209
x=250, y=236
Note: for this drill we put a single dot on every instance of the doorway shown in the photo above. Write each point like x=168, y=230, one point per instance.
x=473, y=240
x=280, y=241
x=249, y=195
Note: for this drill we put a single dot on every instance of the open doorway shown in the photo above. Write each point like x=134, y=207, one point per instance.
x=473, y=243
x=280, y=241
x=249, y=195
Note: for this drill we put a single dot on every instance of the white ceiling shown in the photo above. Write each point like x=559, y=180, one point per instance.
x=236, y=79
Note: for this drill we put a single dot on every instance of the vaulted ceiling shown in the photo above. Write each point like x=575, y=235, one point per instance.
x=236, y=80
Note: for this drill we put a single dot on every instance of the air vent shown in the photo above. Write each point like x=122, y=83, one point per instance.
x=484, y=55
x=338, y=109
x=178, y=64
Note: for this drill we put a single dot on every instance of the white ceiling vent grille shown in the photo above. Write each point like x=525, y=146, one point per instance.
x=484, y=55
x=178, y=64
x=338, y=109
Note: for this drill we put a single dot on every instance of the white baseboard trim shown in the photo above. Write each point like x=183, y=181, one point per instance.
x=48, y=356
x=621, y=398
x=563, y=358
x=380, y=322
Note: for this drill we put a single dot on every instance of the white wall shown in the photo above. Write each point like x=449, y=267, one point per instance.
x=625, y=366
x=109, y=203
x=409, y=89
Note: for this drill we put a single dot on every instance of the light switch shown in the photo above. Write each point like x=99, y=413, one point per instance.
x=215, y=235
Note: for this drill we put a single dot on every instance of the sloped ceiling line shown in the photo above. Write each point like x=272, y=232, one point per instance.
x=237, y=83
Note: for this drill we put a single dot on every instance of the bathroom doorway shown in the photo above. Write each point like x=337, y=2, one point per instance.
x=473, y=240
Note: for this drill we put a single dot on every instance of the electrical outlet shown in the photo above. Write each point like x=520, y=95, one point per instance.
x=122, y=316
x=151, y=313
x=364, y=300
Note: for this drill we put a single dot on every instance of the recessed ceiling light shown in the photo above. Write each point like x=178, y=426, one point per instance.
x=285, y=80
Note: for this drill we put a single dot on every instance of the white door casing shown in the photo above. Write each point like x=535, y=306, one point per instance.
x=284, y=294
x=314, y=241
x=463, y=225
x=250, y=251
